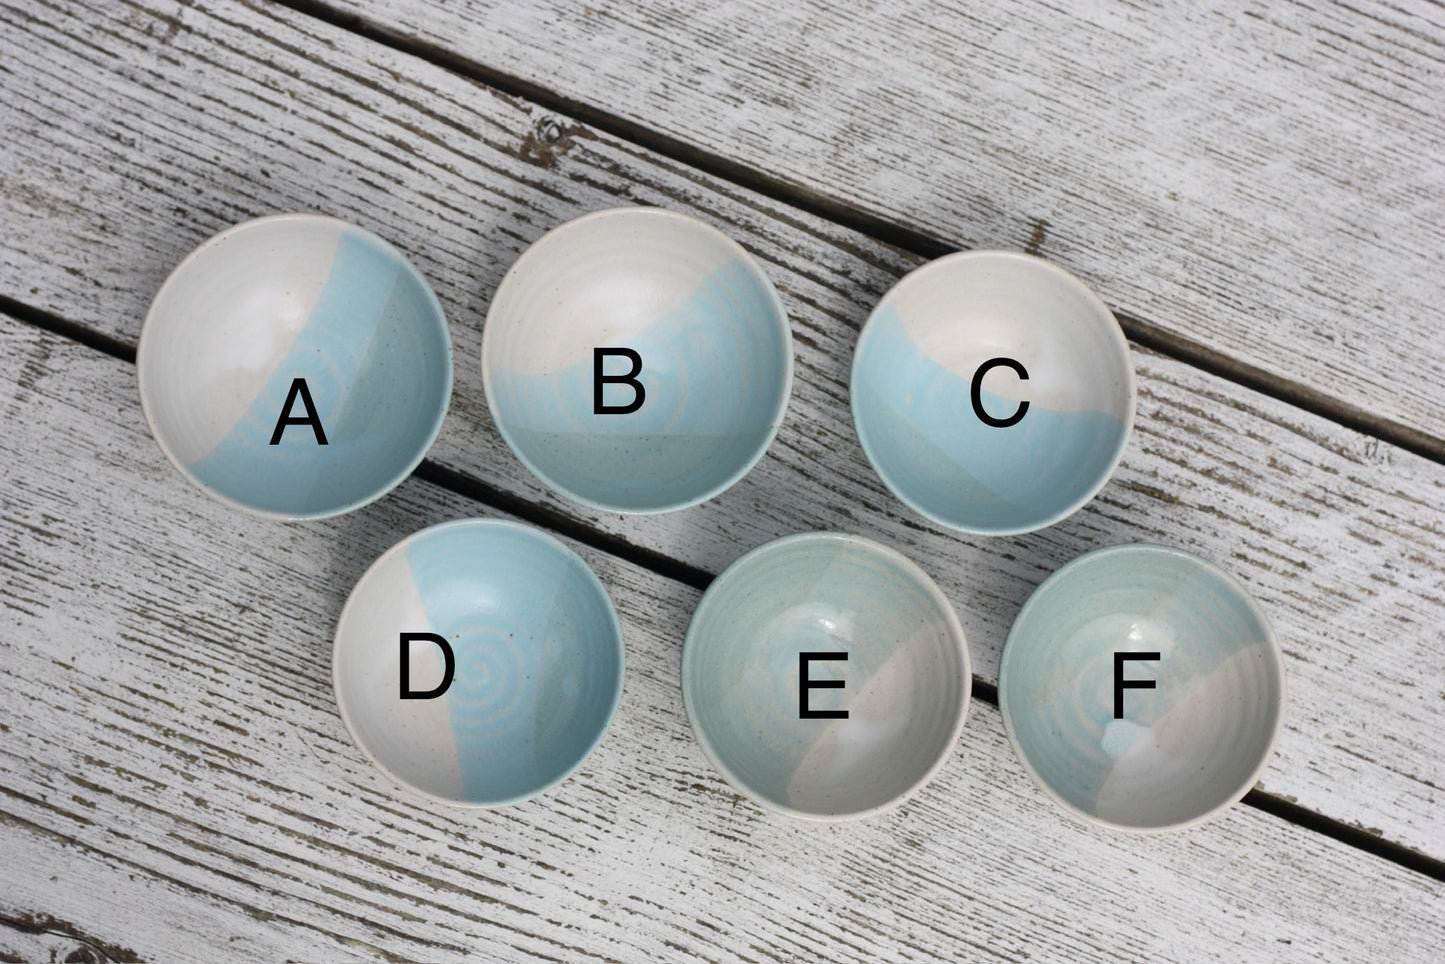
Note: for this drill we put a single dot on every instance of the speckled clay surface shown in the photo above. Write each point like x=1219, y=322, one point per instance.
x=286, y=297
x=1183, y=751
x=906, y=679
x=912, y=379
x=539, y=662
x=716, y=359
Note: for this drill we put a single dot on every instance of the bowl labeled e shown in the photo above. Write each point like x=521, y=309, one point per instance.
x=826, y=676
x=637, y=360
x=295, y=367
x=992, y=392
x=1142, y=688
x=478, y=663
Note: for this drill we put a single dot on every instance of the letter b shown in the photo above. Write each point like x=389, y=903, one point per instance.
x=599, y=407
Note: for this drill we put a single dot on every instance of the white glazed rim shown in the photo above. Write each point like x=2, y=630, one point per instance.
x=184, y=267
x=902, y=564
x=784, y=395
x=1271, y=646
x=547, y=540
x=1107, y=321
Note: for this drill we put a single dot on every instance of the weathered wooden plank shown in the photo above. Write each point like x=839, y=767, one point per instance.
x=1263, y=181
x=123, y=158
x=175, y=777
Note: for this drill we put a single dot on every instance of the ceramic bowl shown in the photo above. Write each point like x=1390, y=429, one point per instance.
x=536, y=659
x=993, y=392
x=270, y=301
x=710, y=333
x=1200, y=722
x=904, y=685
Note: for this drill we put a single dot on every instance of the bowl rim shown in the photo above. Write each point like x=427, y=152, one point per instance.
x=573, y=560
x=913, y=572
x=184, y=267
x=1107, y=321
x=780, y=313
x=1271, y=646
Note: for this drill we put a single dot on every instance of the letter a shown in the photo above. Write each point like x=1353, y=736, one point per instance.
x=298, y=387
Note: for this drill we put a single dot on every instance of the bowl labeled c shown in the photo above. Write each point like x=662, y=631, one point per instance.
x=992, y=392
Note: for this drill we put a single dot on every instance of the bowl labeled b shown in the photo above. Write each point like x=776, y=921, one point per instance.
x=637, y=360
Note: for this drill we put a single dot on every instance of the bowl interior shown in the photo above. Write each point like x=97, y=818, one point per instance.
x=913, y=392
x=538, y=662
x=905, y=681
x=270, y=301
x=711, y=335
x=1182, y=750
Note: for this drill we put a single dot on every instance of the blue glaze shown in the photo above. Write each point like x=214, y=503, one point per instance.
x=1182, y=750
x=714, y=396
x=916, y=421
x=906, y=676
x=376, y=358
x=538, y=649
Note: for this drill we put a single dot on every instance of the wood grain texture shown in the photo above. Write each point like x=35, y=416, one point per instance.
x=139, y=131
x=174, y=775
x=1261, y=181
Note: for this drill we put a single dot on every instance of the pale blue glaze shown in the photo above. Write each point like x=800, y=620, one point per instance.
x=376, y=357
x=1219, y=684
x=716, y=373
x=539, y=658
x=917, y=425
x=906, y=677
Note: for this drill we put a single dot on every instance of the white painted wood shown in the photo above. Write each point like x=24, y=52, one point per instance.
x=1336, y=533
x=175, y=781
x=1263, y=180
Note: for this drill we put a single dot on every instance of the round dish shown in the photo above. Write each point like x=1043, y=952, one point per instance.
x=296, y=329
x=992, y=392
x=904, y=683
x=711, y=362
x=1200, y=689
x=537, y=662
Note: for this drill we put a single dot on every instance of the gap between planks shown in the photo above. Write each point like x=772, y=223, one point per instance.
x=1139, y=330
x=549, y=519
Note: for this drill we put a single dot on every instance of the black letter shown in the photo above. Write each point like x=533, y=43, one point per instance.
x=598, y=406
x=805, y=684
x=298, y=387
x=407, y=693
x=1121, y=684
x=976, y=389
